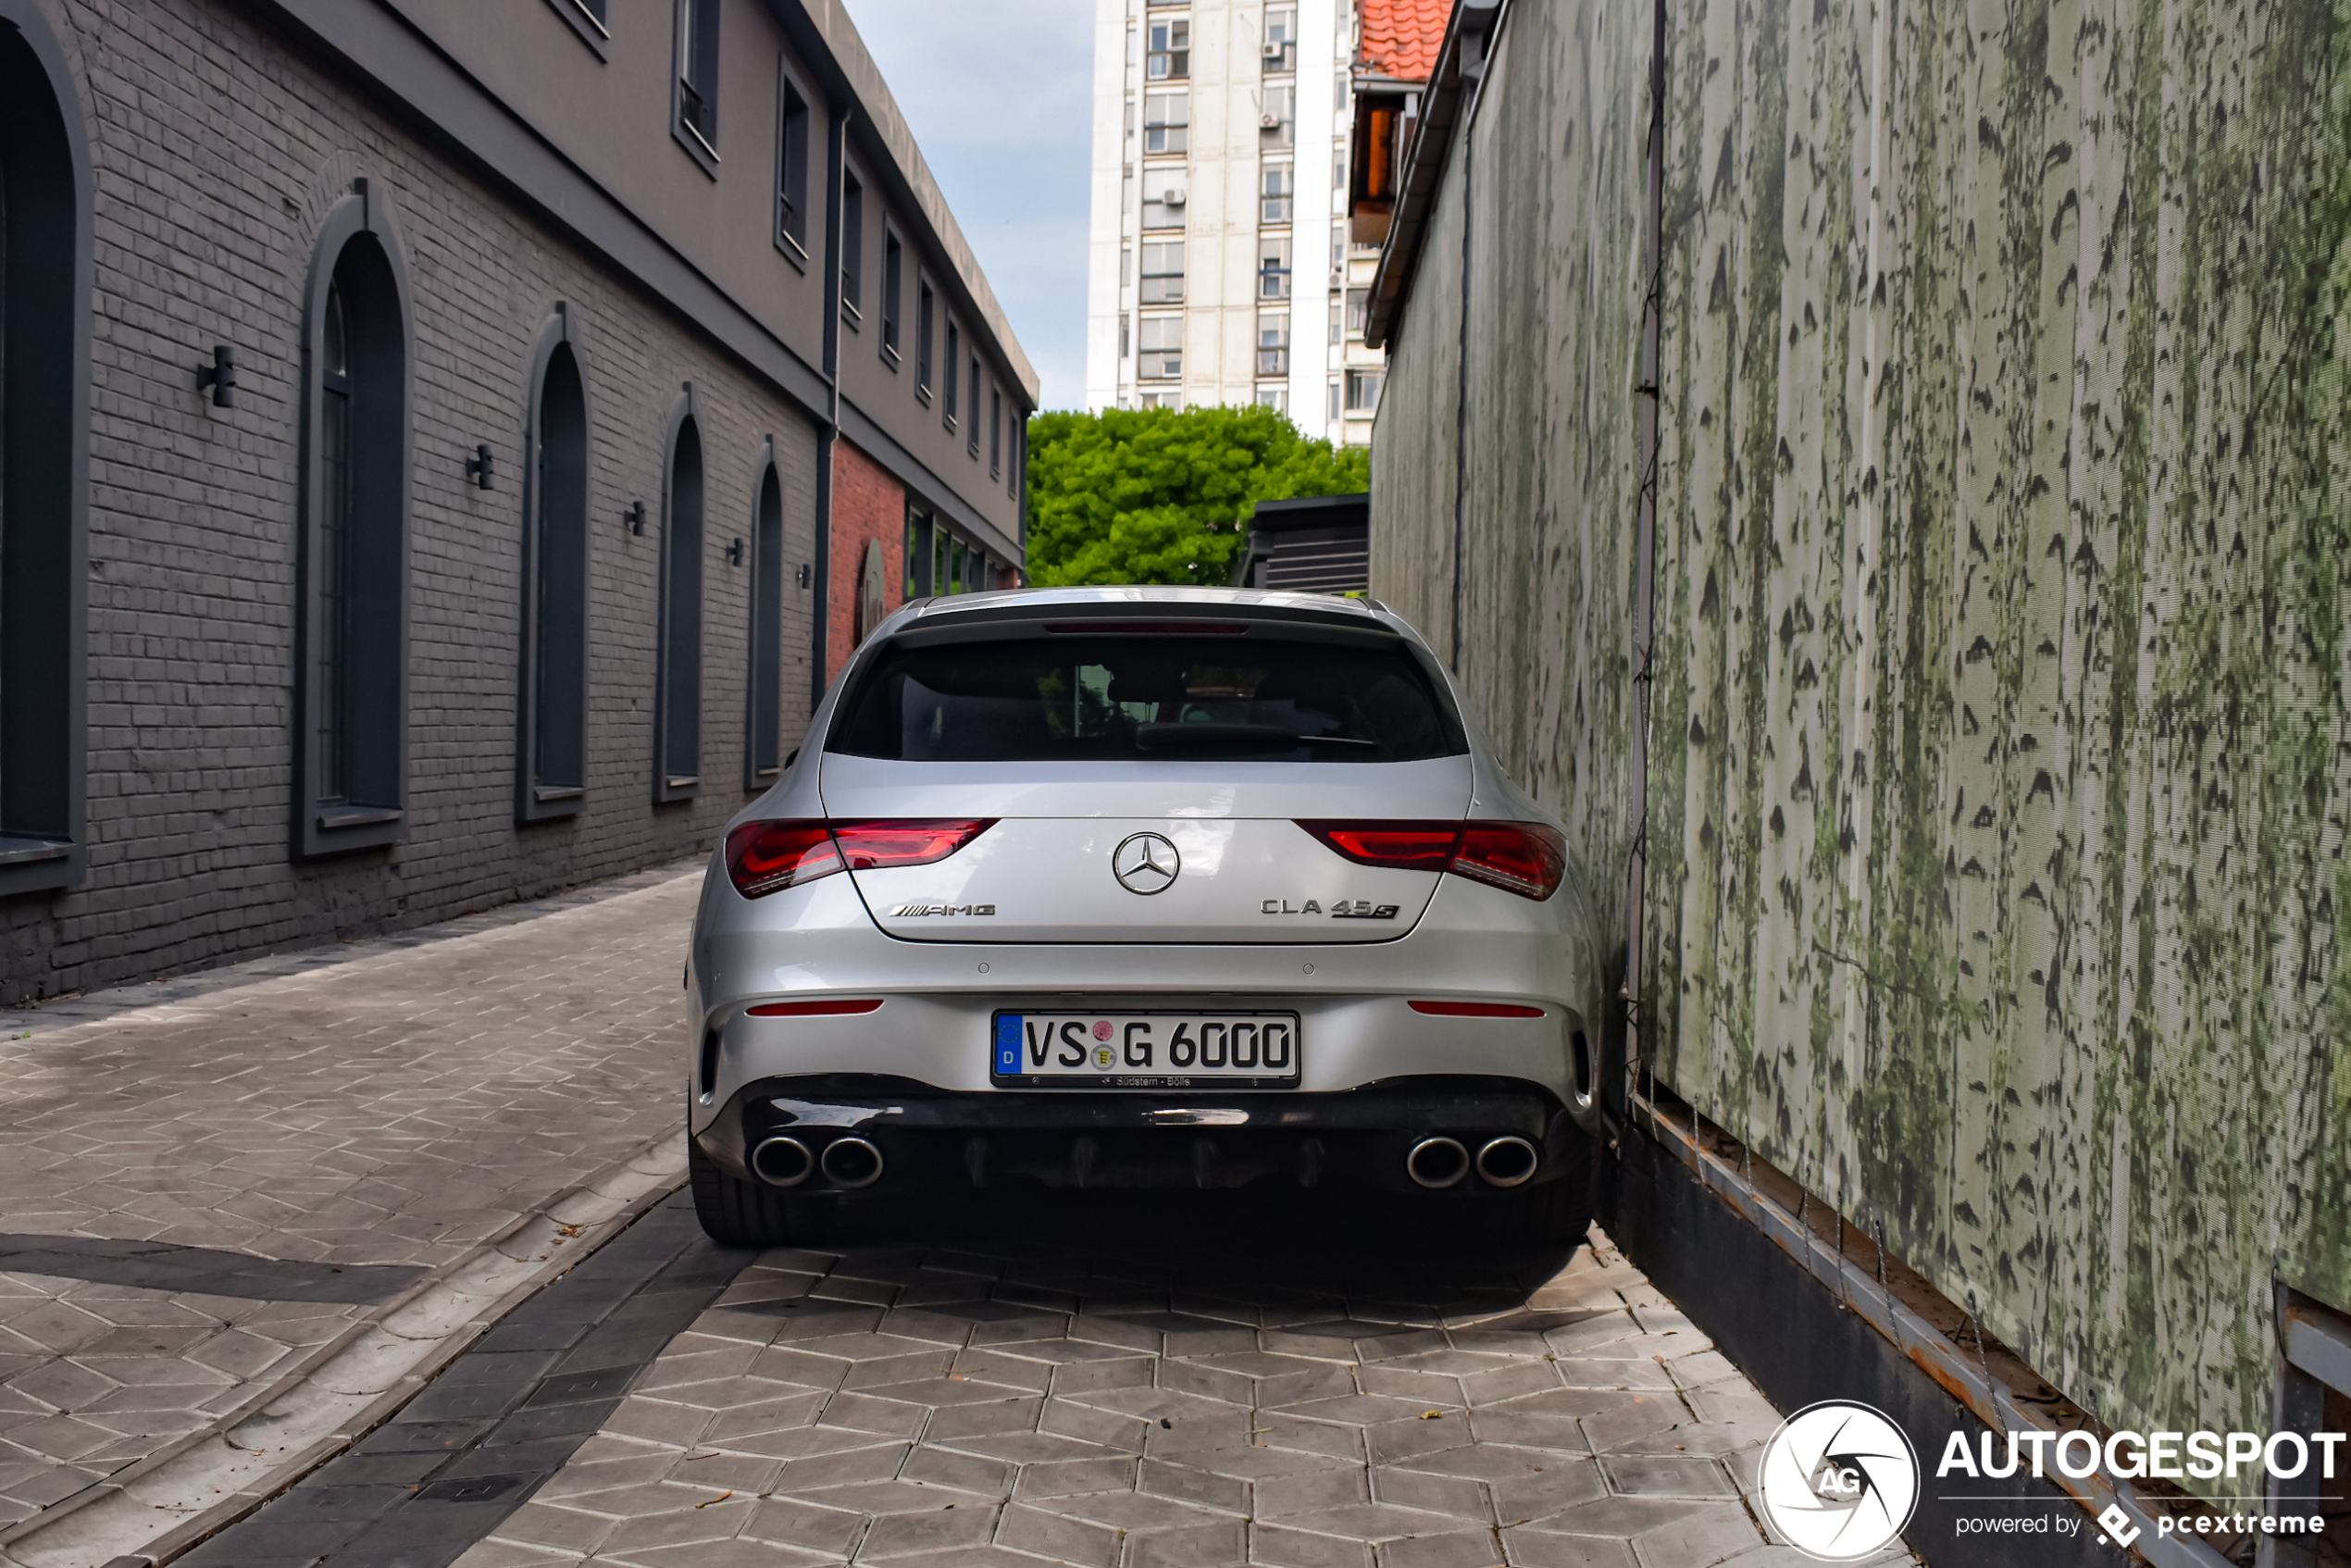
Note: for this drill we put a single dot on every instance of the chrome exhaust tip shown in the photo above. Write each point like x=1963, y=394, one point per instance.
x=782, y=1162
x=1437, y=1162
x=852, y=1163
x=1508, y=1162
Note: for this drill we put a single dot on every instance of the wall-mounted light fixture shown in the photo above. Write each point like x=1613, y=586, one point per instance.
x=735, y=553
x=635, y=516
x=804, y=574
x=478, y=466
x=220, y=376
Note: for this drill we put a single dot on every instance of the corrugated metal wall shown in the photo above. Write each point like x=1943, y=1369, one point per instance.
x=1999, y=757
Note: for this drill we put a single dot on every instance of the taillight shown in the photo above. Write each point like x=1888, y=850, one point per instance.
x=766, y=857
x=1525, y=858
x=1398, y=846
x=871, y=845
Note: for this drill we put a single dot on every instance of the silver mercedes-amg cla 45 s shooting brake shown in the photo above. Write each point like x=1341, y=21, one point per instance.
x=1143, y=887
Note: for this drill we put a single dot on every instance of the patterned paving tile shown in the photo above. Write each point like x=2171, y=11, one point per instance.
x=196, y=1190
x=1114, y=1407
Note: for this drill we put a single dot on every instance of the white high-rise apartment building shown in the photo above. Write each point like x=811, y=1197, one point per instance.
x=1218, y=243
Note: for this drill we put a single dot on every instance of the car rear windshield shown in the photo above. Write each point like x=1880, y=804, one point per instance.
x=1173, y=697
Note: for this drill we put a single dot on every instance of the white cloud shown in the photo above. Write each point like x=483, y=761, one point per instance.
x=999, y=95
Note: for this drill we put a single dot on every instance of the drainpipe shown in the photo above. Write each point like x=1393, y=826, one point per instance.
x=836, y=137
x=1645, y=545
x=1461, y=393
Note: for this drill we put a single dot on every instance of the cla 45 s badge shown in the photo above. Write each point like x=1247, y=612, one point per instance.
x=1344, y=909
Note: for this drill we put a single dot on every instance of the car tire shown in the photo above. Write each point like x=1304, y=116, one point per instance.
x=738, y=1212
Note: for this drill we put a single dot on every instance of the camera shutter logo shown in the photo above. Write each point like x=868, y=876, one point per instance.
x=1839, y=1481
x=1146, y=864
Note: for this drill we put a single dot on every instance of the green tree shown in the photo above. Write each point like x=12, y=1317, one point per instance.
x=1161, y=495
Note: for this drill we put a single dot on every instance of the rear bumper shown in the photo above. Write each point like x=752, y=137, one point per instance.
x=929, y=1138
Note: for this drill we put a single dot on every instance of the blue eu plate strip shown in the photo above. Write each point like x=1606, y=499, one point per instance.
x=1008, y=1042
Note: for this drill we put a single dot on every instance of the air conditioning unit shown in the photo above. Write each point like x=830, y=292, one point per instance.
x=1272, y=51
x=1269, y=122
x=1173, y=197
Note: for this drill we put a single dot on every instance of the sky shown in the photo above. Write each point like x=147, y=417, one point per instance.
x=999, y=93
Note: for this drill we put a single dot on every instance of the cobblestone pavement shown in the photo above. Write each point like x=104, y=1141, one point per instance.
x=199, y=1183
x=1123, y=1404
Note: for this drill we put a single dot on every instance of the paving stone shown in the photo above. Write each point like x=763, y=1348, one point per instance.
x=200, y=1189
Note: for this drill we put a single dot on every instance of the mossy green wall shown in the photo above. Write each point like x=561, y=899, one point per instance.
x=2000, y=755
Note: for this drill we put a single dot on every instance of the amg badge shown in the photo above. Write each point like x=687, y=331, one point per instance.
x=910, y=911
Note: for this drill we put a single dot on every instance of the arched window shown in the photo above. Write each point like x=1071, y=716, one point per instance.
x=552, y=740
x=353, y=746
x=764, y=737
x=44, y=402
x=677, y=728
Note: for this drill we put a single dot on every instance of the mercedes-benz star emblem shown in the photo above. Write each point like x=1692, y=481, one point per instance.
x=1146, y=864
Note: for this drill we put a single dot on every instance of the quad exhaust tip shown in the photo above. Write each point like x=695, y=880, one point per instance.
x=1437, y=1162
x=852, y=1163
x=1507, y=1161
x=782, y=1162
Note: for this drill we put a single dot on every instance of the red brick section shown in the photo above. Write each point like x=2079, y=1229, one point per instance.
x=868, y=505
x=1400, y=38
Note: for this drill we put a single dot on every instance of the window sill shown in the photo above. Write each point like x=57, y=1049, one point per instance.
x=550, y=802
x=583, y=22
x=334, y=819
x=338, y=828
x=37, y=865
x=705, y=156
x=889, y=355
x=851, y=317
x=793, y=251
x=16, y=851
x=922, y=395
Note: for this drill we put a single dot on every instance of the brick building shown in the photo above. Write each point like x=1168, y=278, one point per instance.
x=448, y=448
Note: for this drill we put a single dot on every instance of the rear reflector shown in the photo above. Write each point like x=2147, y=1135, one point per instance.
x=812, y=1009
x=766, y=857
x=1467, y=1009
x=1525, y=858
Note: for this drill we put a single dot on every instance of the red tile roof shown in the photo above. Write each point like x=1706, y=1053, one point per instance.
x=1402, y=37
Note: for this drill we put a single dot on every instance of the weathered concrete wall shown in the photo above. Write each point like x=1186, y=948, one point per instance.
x=1999, y=758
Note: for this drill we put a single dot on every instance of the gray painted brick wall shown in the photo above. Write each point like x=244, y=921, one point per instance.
x=216, y=152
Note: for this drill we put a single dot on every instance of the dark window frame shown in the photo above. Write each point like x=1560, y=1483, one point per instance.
x=763, y=753
x=553, y=687
x=44, y=596
x=995, y=431
x=589, y=20
x=893, y=281
x=679, y=552
x=853, y=250
x=693, y=120
x=954, y=376
x=329, y=820
x=926, y=306
x=971, y=443
x=918, y=561
x=792, y=120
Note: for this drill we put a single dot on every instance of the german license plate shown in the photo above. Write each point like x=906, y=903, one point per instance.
x=1145, y=1050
